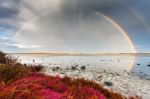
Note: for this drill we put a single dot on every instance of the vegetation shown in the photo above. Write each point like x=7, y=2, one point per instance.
x=11, y=70
x=19, y=81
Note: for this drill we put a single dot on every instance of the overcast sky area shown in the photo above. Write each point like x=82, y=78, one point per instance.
x=74, y=25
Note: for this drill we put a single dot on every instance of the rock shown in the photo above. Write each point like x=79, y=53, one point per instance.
x=112, y=73
x=77, y=65
x=82, y=67
x=55, y=68
x=73, y=67
x=62, y=73
x=117, y=74
x=148, y=65
x=104, y=71
x=118, y=60
x=102, y=60
x=109, y=84
x=100, y=76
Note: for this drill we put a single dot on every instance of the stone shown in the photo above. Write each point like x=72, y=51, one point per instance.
x=73, y=67
x=109, y=84
x=82, y=67
x=148, y=65
x=100, y=76
x=55, y=68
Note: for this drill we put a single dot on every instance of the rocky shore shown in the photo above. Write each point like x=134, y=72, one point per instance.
x=125, y=82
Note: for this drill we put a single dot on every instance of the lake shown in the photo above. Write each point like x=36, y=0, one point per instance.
x=117, y=63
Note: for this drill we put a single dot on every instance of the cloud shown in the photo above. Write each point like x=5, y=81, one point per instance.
x=21, y=11
x=23, y=46
x=20, y=46
x=7, y=42
x=75, y=25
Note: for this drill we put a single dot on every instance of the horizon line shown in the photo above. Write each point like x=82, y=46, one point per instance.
x=78, y=53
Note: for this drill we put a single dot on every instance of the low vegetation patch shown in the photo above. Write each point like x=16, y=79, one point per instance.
x=40, y=86
x=11, y=69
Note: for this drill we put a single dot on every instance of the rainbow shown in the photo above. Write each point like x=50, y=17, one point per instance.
x=125, y=34
x=131, y=44
x=130, y=67
x=29, y=22
x=122, y=31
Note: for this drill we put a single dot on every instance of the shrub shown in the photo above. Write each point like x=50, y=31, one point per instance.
x=40, y=86
x=10, y=69
x=5, y=59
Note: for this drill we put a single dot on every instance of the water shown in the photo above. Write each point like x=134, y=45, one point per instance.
x=115, y=63
x=129, y=74
x=142, y=65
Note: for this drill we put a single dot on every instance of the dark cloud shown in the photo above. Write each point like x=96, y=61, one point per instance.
x=143, y=7
x=7, y=12
x=13, y=8
x=105, y=6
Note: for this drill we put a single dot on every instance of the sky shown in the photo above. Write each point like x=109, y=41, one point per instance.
x=74, y=25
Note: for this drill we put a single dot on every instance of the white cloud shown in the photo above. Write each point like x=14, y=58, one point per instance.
x=4, y=38
x=21, y=46
x=8, y=42
x=25, y=46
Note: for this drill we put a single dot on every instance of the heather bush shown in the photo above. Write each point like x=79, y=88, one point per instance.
x=40, y=86
x=6, y=59
x=2, y=57
x=10, y=73
x=81, y=83
x=10, y=69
